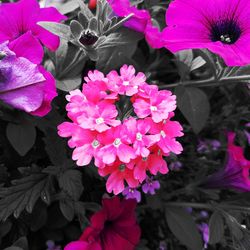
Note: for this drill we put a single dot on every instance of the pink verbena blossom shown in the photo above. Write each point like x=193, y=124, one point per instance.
x=127, y=82
x=118, y=174
x=157, y=104
x=138, y=133
x=220, y=26
x=127, y=147
x=116, y=145
x=99, y=117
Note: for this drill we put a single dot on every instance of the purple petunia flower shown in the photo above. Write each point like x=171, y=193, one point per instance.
x=140, y=21
x=19, y=24
x=236, y=172
x=23, y=84
x=222, y=26
x=150, y=186
x=132, y=193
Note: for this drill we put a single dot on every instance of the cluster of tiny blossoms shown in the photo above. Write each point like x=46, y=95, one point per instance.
x=124, y=125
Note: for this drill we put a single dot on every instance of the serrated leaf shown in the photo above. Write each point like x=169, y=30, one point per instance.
x=216, y=228
x=67, y=209
x=71, y=182
x=58, y=29
x=21, y=136
x=194, y=105
x=69, y=84
x=22, y=195
x=184, y=228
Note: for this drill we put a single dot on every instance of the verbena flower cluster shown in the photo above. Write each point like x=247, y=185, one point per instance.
x=124, y=124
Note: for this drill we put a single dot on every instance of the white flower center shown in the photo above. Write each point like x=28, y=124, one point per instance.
x=139, y=136
x=117, y=142
x=153, y=108
x=99, y=120
x=125, y=83
x=95, y=144
x=163, y=134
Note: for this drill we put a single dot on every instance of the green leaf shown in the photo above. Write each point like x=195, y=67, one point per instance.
x=71, y=182
x=58, y=29
x=69, y=84
x=184, y=228
x=22, y=243
x=67, y=7
x=67, y=209
x=84, y=9
x=194, y=105
x=21, y=136
x=216, y=228
x=13, y=248
x=23, y=195
x=55, y=147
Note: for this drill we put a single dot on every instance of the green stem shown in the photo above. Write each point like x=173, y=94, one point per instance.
x=209, y=82
x=208, y=206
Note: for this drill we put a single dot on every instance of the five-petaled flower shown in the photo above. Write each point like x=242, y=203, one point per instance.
x=113, y=227
x=219, y=26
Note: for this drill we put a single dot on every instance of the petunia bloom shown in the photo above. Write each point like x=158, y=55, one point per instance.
x=113, y=227
x=235, y=174
x=18, y=19
x=24, y=85
x=219, y=26
x=140, y=21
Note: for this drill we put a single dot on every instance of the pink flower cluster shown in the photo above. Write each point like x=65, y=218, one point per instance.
x=124, y=124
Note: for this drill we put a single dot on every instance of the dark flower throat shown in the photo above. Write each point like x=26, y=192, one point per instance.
x=225, y=31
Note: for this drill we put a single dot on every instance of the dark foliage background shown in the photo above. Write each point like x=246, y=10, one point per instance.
x=45, y=196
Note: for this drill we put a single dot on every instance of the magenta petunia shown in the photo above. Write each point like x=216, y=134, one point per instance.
x=140, y=21
x=222, y=26
x=24, y=85
x=113, y=227
x=235, y=174
x=19, y=18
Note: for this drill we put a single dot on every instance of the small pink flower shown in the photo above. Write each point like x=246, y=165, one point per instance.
x=119, y=172
x=127, y=82
x=84, y=140
x=158, y=104
x=99, y=117
x=116, y=145
x=154, y=163
x=137, y=131
x=168, y=131
x=95, y=76
x=76, y=105
x=96, y=91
